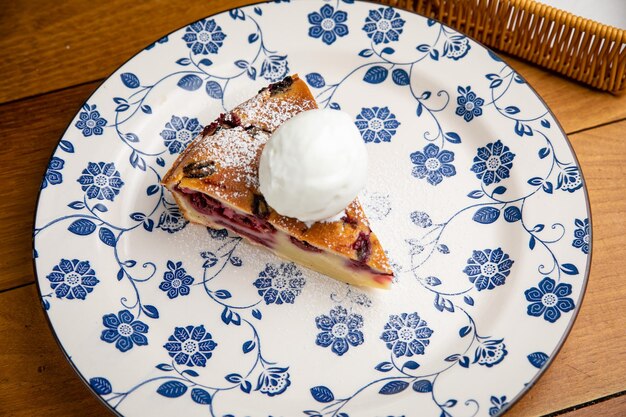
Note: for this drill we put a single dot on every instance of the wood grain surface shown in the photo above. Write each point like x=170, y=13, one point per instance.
x=86, y=41
x=36, y=378
x=48, y=45
x=613, y=407
x=592, y=363
x=77, y=44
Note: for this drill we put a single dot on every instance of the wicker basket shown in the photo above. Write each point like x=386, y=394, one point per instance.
x=584, y=50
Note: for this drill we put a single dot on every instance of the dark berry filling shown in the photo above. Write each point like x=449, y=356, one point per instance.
x=360, y=265
x=260, y=207
x=259, y=230
x=304, y=245
x=243, y=224
x=229, y=120
x=363, y=247
x=225, y=120
x=281, y=86
x=383, y=279
x=199, y=169
x=246, y=233
x=349, y=220
x=210, y=129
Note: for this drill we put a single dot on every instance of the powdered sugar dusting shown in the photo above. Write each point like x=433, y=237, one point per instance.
x=236, y=152
x=376, y=205
x=269, y=114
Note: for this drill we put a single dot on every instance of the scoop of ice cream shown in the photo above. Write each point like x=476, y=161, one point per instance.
x=313, y=166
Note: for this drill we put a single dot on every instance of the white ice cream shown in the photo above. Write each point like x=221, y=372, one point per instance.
x=313, y=166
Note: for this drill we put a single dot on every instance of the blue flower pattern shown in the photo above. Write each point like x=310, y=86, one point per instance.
x=328, y=24
x=279, y=284
x=53, y=174
x=488, y=268
x=376, y=124
x=493, y=162
x=90, y=122
x=469, y=104
x=456, y=47
x=383, y=25
x=190, y=345
x=72, y=279
x=123, y=330
x=339, y=330
x=498, y=404
x=273, y=381
x=171, y=219
x=490, y=352
x=164, y=39
x=549, y=300
x=406, y=335
x=569, y=179
x=275, y=68
x=217, y=234
x=204, y=37
x=178, y=132
x=433, y=164
x=582, y=237
x=176, y=281
x=101, y=181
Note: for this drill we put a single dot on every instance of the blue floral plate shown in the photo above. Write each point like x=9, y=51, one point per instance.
x=473, y=190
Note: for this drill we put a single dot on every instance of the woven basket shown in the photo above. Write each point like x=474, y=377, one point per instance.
x=584, y=50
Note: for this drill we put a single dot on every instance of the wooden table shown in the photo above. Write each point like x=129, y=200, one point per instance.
x=53, y=60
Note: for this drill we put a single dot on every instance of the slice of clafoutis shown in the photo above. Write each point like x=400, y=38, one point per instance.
x=215, y=183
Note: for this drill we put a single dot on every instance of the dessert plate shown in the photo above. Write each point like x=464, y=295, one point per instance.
x=473, y=189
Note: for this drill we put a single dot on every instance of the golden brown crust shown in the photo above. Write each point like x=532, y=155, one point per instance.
x=230, y=157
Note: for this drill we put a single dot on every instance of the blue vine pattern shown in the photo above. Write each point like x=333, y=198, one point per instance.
x=340, y=330
x=192, y=345
x=448, y=44
x=486, y=268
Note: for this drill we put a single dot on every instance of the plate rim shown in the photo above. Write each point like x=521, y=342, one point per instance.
x=561, y=342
